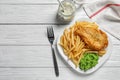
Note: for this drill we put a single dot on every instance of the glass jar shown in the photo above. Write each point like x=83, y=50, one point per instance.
x=66, y=11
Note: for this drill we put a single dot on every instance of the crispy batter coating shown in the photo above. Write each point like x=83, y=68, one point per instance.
x=93, y=37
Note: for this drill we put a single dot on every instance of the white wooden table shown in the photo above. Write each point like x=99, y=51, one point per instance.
x=25, y=52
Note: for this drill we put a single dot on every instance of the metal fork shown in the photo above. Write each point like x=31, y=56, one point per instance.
x=51, y=37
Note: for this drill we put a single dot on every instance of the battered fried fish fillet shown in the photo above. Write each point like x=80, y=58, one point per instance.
x=94, y=38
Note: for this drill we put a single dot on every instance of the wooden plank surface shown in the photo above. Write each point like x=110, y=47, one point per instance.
x=28, y=13
x=41, y=56
x=48, y=74
x=25, y=52
x=29, y=1
x=31, y=14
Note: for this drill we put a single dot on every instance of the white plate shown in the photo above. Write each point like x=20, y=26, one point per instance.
x=101, y=61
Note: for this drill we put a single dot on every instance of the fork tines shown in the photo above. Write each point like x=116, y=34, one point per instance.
x=50, y=32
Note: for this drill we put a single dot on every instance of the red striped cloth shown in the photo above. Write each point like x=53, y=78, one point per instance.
x=107, y=14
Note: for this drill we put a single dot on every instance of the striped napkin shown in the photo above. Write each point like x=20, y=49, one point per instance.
x=105, y=13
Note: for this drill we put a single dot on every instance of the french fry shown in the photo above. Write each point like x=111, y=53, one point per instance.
x=79, y=53
x=101, y=53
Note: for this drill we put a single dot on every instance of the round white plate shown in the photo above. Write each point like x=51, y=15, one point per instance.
x=101, y=61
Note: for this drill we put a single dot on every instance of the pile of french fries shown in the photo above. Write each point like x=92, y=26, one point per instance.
x=72, y=45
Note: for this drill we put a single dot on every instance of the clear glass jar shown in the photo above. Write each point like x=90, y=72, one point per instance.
x=66, y=11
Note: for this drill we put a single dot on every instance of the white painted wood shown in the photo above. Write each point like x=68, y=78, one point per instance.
x=28, y=13
x=25, y=52
x=28, y=1
x=105, y=73
x=40, y=56
x=31, y=34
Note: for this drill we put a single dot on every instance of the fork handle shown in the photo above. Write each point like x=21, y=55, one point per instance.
x=55, y=62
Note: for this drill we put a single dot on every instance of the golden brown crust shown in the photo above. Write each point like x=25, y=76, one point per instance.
x=93, y=37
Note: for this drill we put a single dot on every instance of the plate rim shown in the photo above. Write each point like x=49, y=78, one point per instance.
x=71, y=64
